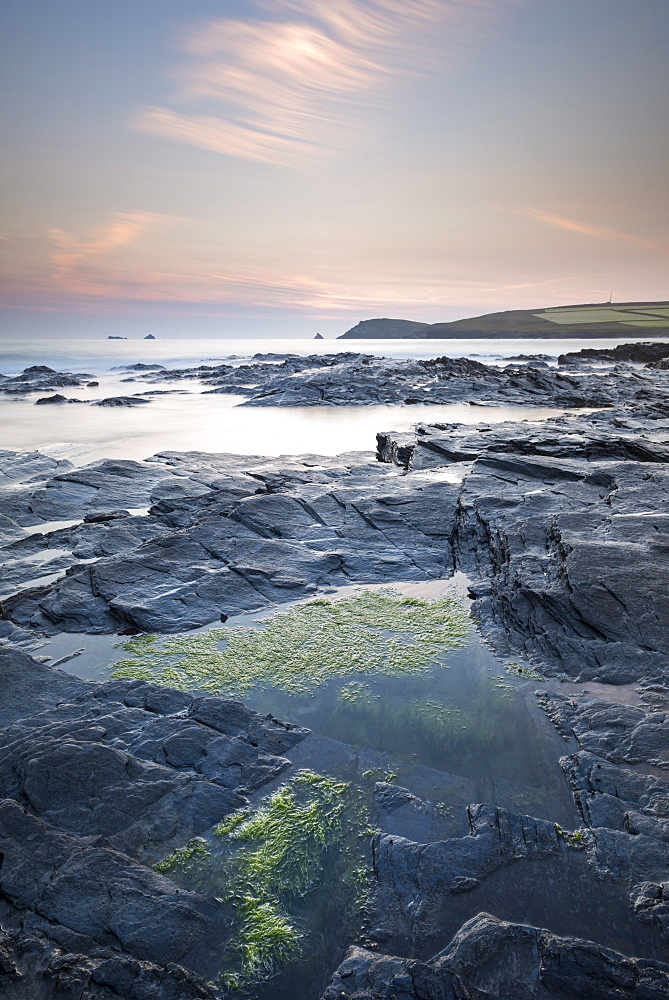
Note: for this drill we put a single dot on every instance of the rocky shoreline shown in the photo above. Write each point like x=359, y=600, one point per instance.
x=561, y=527
x=590, y=378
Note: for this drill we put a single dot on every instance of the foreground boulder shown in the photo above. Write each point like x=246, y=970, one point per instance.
x=98, y=784
x=553, y=522
x=491, y=959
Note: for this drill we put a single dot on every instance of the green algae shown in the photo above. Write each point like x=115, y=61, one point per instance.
x=298, y=650
x=282, y=845
x=265, y=941
x=185, y=859
x=231, y=822
x=526, y=673
x=357, y=691
x=298, y=850
x=379, y=774
x=485, y=723
x=575, y=839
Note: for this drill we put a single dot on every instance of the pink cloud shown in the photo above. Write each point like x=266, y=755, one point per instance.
x=70, y=253
x=299, y=81
x=596, y=232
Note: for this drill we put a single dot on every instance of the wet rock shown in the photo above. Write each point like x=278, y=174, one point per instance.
x=56, y=398
x=616, y=797
x=139, y=366
x=402, y=814
x=52, y=490
x=640, y=352
x=359, y=379
x=121, y=760
x=651, y=904
x=43, y=962
x=413, y=881
x=626, y=811
x=235, y=549
x=584, y=438
x=30, y=687
x=490, y=959
x=29, y=466
x=96, y=782
x=99, y=517
x=556, y=518
x=621, y=734
x=39, y=378
x=100, y=892
x=120, y=401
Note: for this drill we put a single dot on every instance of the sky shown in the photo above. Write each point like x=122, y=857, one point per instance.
x=292, y=166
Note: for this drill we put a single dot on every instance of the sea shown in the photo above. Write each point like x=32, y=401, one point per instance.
x=186, y=419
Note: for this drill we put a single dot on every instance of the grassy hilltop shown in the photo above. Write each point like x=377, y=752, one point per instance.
x=624, y=319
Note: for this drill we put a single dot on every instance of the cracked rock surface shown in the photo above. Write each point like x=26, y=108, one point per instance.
x=95, y=786
x=224, y=534
x=491, y=959
x=562, y=527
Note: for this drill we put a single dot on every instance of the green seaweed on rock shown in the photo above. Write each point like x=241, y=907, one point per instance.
x=304, y=647
x=575, y=838
x=526, y=673
x=263, y=861
x=282, y=847
x=185, y=859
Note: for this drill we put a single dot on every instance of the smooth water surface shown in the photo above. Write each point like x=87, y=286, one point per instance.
x=100, y=355
x=215, y=423
x=180, y=417
x=464, y=728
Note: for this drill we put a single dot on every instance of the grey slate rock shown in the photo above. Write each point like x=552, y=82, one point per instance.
x=234, y=549
x=101, y=893
x=490, y=959
x=97, y=781
x=29, y=687
x=412, y=881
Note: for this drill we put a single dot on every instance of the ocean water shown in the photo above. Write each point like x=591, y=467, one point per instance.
x=187, y=420
x=98, y=355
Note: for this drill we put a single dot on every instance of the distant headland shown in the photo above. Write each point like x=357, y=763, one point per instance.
x=623, y=319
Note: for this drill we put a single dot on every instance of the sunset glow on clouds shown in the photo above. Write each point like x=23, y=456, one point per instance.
x=311, y=159
x=597, y=232
x=301, y=80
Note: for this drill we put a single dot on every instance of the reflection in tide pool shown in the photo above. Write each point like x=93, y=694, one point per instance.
x=406, y=695
x=400, y=674
x=459, y=727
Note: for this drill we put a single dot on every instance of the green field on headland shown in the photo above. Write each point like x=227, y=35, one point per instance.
x=595, y=319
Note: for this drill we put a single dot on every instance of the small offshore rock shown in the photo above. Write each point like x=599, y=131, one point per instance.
x=120, y=401
x=56, y=398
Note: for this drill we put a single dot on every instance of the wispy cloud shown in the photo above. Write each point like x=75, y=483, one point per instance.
x=300, y=78
x=587, y=229
x=72, y=253
x=100, y=272
x=133, y=258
